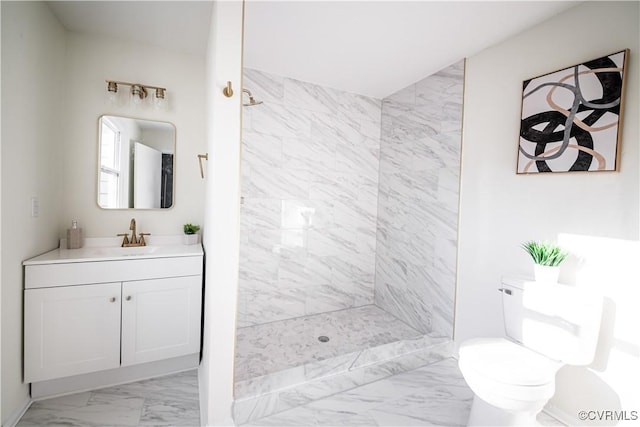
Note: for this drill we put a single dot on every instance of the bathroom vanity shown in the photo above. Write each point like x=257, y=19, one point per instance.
x=112, y=312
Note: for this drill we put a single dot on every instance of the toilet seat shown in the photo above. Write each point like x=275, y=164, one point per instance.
x=506, y=374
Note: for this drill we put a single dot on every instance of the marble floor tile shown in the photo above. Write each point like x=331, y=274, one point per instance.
x=170, y=413
x=171, y=400
x=548, y=421
x=434, y=395
x=180, y=386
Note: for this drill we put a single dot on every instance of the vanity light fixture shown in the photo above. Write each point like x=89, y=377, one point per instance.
x=159, y=100
x=139, y=92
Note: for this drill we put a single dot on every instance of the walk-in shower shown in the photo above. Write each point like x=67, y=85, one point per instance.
x=348, y=236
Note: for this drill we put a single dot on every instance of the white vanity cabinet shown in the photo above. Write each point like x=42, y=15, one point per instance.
x=93, y=315
x=160, y=318
x=71, y=330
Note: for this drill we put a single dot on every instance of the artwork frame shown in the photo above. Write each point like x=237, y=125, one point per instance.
x=571, y=119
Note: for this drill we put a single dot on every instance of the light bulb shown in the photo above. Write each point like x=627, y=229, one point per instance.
x=160, y=102
x=138, y=93
x=112, y=92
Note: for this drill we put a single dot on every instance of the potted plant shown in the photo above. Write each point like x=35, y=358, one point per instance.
x=547, y=257
x=190, y=236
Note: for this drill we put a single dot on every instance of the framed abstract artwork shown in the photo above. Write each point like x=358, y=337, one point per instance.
x=572, y=118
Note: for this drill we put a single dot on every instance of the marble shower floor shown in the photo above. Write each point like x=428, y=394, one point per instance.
x=171, y=400
x=272, y=347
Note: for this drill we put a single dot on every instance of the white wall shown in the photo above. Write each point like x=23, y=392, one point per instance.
x=611, y=382
x=33, y=49
x=160, y=139
x=222, y=216
x=53, y=92
x=0, y=230
x=499, y=209
x=90, y=61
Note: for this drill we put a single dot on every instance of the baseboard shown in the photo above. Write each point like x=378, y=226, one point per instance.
x=15, y=417
x=95, y=380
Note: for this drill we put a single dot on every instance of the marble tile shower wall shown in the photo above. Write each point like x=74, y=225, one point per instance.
x=310, y=188
x=418, y=201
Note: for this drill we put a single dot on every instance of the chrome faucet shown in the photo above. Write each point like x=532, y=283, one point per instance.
x=134, y=240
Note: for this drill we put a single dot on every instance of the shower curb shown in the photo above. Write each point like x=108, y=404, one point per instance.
x=264, y=397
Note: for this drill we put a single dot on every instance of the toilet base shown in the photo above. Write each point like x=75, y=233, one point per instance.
x=484, y=414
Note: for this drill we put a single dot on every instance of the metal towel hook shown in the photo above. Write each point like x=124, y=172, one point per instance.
x=200, y=157
x=228, y=90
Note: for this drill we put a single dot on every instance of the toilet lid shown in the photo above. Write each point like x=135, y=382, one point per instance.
x=507, y=362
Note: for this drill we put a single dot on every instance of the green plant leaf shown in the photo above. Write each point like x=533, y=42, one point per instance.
x=191, y=228
x=545, y=253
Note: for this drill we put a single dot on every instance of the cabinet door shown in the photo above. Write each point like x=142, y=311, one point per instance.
x=160, y=318
x=71, y=330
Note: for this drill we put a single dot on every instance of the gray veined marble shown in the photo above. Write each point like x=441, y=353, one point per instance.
x=280, y=120
x=310, y=175
x=262, y=213
x=281, y=365
x=262, y=149
x=418, y=206
x=170, y=400
x=264, y=87
x=421, y=388
x=336, y=127
x=348, y=330
x=277, y=182
x=431, y=395
x=305, y=153
x=386, y=174
x=348, y=201
x=310, y=96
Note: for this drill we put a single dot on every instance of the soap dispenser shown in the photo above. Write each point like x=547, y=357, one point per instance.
x=74, y=236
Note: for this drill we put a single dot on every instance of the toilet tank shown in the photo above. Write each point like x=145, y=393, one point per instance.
x=559, y=321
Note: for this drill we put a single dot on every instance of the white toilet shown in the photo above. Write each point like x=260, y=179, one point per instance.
x=547, y=327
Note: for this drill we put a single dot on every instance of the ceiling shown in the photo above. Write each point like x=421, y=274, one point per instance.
x=175, y=25
x=372, y=48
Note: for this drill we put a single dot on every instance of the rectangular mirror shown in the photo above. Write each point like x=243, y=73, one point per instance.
x=135, y=163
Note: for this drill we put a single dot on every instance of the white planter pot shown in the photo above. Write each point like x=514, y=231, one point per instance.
x=191, y=239
x=546, y=274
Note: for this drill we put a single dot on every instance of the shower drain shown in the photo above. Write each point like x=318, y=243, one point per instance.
x=323, y=338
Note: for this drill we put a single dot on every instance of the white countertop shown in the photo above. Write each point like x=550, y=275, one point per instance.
x=108, y=249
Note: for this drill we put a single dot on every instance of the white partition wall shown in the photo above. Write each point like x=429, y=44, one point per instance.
x=222, y=213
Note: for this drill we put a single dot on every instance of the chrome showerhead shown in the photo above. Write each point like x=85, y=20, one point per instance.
x=252, y=100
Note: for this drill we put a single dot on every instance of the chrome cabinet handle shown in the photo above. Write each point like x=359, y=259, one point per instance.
x=504, y=290
x=129, y=298
x=112, y=299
